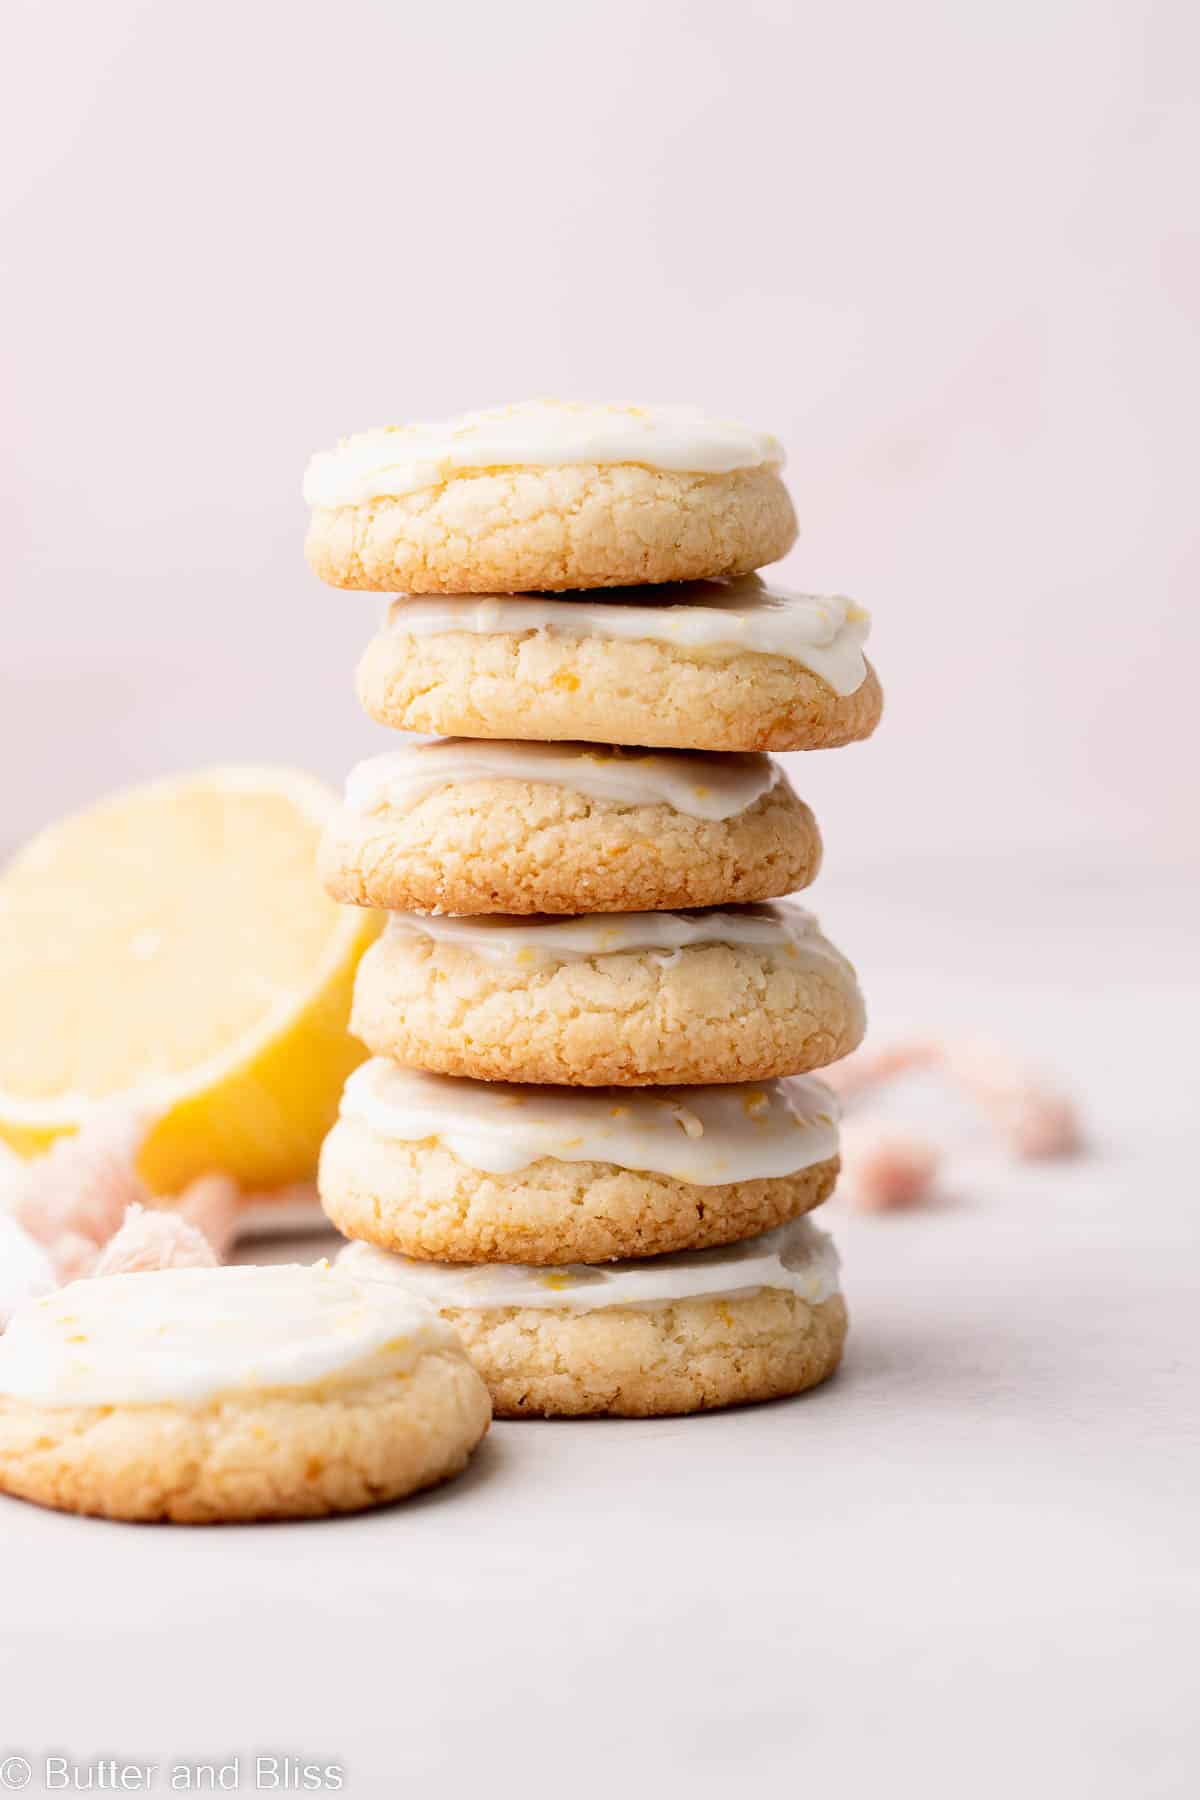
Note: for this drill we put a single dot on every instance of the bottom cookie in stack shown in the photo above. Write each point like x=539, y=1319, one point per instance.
x=519, y=1209
x=754, y=1320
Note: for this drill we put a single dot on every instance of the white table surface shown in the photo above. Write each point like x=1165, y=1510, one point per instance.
x=967, y=1568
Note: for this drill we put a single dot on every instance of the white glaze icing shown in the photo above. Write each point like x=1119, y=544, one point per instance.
x=184, y=1336
x=404, y=459
x=782, y=930
x=796, y=1257
x=822, y=633
x=701, y=783
x=25, y=1269
x=709, y=1135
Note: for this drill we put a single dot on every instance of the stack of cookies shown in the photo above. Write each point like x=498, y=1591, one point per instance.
x=588, y=1132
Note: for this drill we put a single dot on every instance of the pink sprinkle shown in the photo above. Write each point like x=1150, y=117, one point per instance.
x=885, y=1170
x=155, y=1240
x=81, y=1187
x=1034, y=1117
x=213, y=1204
x=71, y=1255
x=85, y=1203
x=869, y=1068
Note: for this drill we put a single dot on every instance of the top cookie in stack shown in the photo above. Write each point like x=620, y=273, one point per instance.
x=601, y=755
x=548, y=496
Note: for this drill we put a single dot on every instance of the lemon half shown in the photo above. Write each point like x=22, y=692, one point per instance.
x=172, y=949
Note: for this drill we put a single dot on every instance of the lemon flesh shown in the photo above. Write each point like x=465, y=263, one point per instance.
x=171, y=948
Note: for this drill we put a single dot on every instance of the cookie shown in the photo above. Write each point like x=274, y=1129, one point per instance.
x=705, y=666
x=468, y=1171
x=464, y=826
x=202, y=1395
x=613, y=999
x=673, y=1334
x=547, y=496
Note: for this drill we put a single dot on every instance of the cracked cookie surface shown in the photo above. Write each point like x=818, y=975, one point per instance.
x=532, y=847
x=538, y=684
x=270, y=1455
x=555, y=528
x=644, y=1362
x=420, y=1199
x=711, y=1013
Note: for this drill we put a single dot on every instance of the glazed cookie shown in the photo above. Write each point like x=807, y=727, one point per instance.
x=610, y=999
x=463, y=826
x=673, y=1334
x=469, y=1171
x=547, y=496
x=245, y=1393
x=703, y=666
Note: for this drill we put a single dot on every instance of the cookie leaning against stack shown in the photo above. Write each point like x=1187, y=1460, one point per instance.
x=210, y=1395
x=628, y=1236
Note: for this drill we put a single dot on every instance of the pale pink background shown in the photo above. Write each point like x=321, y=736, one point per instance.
x=948, y=252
